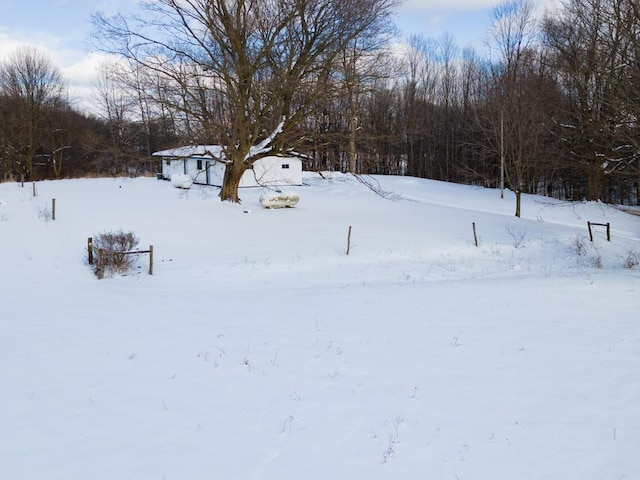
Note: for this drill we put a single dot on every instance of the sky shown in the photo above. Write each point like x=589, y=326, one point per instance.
x=61, y=28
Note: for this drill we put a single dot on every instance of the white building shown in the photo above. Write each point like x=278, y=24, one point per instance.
x=197, y=161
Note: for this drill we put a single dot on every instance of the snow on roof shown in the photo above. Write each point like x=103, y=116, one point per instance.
x=204, y=151
x=201, y=151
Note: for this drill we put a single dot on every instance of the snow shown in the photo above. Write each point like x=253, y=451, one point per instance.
x=194, y=151
x=181, y=180
x=279, y=199
x=264, y=146
x=216, y=152
x=260, y=350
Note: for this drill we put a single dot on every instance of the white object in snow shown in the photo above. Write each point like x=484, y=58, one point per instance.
x=279, y=199
x=181, y=180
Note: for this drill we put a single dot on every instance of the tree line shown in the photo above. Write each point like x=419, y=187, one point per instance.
x=550, y=107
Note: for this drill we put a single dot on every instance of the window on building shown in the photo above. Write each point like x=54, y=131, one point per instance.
x=285, y=165
x=199, y=165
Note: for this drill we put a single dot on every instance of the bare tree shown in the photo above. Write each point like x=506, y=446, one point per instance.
x=419, y=96
x=363, y=62
x=32, y=84
x=116, y=109
x=515, y=125
x=124, y=94
x=596, y=51
x=248, y=70
x=448, y=96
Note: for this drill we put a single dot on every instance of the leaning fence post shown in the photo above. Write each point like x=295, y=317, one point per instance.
x=590, y=233
x=90, y=249
x=150, y=259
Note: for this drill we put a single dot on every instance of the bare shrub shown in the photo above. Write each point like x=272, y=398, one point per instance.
x=518, y=236
x=580, y=245
x=632, y=260
x=595, y=259
x=113, y=246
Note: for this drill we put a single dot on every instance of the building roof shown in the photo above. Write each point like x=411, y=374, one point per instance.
x=191, y=151
x=204, y=152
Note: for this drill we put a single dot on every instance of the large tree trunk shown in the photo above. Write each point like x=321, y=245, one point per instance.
x=232, y=174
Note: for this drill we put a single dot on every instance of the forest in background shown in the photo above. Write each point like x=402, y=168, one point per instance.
x=551, y=107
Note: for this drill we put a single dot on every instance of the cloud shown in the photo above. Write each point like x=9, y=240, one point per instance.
x=79, y=68
x=47, y=43
x=81, y=76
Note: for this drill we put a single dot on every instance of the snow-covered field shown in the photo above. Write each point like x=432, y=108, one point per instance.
x=260, y=350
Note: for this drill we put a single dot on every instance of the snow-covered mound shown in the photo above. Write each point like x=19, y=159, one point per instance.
x=181, y=180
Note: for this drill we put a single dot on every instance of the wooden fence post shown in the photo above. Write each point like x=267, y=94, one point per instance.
x=34, y=189
x=101, y=261
x=100, y=270
x=90, y=249
x=607, y=225
x=475, y=236
x=349, y=240
x=53, y=208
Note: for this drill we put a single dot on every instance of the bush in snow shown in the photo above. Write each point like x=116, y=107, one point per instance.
x=632, y=260
x=110, y=248
x=580, y=245
x=518, y=236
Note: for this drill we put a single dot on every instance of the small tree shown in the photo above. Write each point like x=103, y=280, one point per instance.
x=522, y=99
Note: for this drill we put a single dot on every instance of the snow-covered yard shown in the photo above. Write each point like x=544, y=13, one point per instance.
x=259, y=350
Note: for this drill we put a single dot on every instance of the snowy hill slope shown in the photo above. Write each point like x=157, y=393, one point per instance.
x=259, y=350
